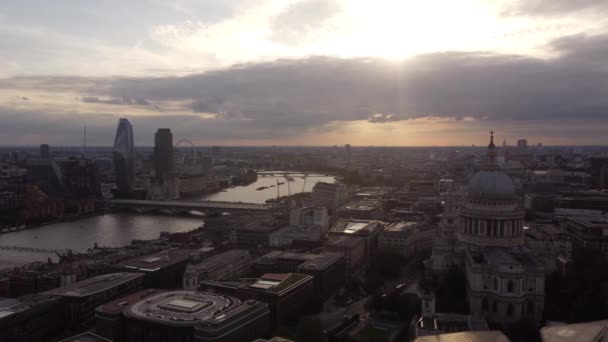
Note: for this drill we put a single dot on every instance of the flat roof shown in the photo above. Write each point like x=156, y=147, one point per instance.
x=219, y=260
x=356, y=226
x=188, y=308
x=362, y=205
x=344, y=241
x=277, y=282
x=321, y=262
x=580, y=332
x=94, y=285
x=11, y=306
x=117, y=305
x=86, y=337
x=156, y=261
x=477, y=336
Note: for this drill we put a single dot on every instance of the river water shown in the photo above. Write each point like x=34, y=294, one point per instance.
x=119, y=229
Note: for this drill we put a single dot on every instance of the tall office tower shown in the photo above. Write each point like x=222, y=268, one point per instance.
x=124, y=158
x=163, y=154
x=45, y=151
x=522, y=144
x=599, y=172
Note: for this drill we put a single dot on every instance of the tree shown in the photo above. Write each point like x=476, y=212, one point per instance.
x=582, y=294
x=310, y=329
x=452, y=292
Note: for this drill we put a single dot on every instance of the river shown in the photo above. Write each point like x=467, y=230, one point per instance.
x=119, y=229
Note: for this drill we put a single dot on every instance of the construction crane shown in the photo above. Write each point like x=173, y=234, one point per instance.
x=304, y=184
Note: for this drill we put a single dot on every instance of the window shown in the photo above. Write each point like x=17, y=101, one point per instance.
x=484, y=304
x=530, y=307
x=495, y=284
x=510, y=310
x=510, y=286
x=494, y=307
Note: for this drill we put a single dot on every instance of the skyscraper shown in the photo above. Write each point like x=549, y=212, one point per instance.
x=45, y=151
x=163, y=154
x=124, y=158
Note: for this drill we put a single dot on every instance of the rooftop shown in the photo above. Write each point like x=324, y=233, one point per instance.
x=356, y=227
x=116, y=306
x=344, y=241
x=362, y=205
x=309, y=261
x=86, y=337
x=278, y=282
x=404, y=228
x=219, y=260
x=156, y=261
x=580, y=332
x=94, y=285
x=477, y=336
x=188, y=308
x=11, y=306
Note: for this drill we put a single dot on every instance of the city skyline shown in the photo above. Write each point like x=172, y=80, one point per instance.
x=306, y=72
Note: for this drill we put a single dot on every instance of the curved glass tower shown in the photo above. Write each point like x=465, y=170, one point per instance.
x=124, y=158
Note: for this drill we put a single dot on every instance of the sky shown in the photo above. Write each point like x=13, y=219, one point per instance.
x=305, y=72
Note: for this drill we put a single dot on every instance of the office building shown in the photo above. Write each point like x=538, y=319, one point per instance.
x=124, y=158
x=588, y=232
x=407, y=238
x=163, y=155
x=45, y=151
x=34, y=317
x=352, y=247
x=369, y=230
x=290, y=235
x=599, y=173
x=83, y=297
x=327, y=269
x=186, y=316
x=522, y=144
x=329, y=195
x=368, y=209
x=163, y=269
x=231, y=264
x=287, y=294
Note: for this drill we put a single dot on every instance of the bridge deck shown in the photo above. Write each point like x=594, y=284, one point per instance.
x=195, y=204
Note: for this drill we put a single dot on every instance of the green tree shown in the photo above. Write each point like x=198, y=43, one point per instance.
x=310, y=329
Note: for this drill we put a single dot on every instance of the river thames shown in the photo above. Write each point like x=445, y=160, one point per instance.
x=119, y=229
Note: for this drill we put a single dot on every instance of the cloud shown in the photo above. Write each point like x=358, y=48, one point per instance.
x=291, y=98
x=116, y=101
x=382, y=118
x=555, y=7
x=297, y=23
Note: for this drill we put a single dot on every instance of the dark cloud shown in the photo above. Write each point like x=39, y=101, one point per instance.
x=555, y=7
x=288, y=98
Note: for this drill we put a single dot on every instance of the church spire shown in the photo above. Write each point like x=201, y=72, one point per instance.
x=492, y=151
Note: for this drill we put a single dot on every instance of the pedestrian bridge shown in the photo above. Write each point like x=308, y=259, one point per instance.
x=34, y=250
x=192, y=205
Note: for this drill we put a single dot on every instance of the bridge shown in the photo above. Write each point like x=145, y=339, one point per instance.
x=192, y=205
x=292, y=173
x=34, y=250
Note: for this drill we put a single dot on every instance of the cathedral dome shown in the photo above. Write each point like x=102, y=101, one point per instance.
x=491, y=184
